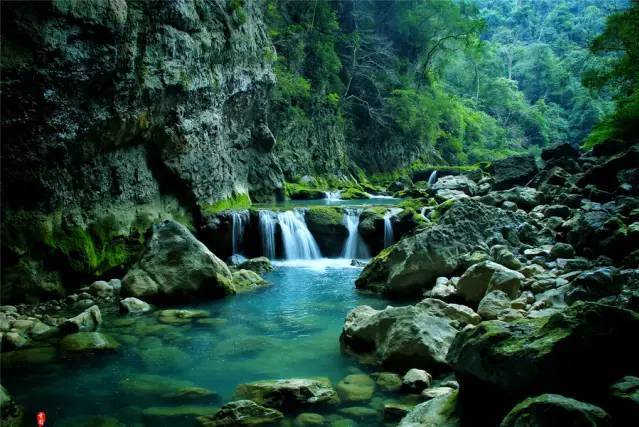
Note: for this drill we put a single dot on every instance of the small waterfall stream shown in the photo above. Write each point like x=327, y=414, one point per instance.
x=432, y=178
x=354, y=248
x=298, y=241
x=268, y=221
x=239, y=220
x=333, y=195
x=389, y=235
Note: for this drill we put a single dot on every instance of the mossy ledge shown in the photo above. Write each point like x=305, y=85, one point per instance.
x=236, y=201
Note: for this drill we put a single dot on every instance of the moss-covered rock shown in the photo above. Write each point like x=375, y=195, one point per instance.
x=353, y=193
x=303, y=192
x=87, y=342
x=236, y=201
x=289, y=393
x=327, y=226
x=553, y=409
x=247, y=280
x=241, y=413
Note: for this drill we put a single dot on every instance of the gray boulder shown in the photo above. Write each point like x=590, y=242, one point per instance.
x=456, y=182
x=134, y=305
x=511, y=171
x=494, y=303
x=411, y=266
x=289, y=393
x=177, y=267
x=241, y=413
x=437, y=412
x=397, y=337
x=87, y=321
x=488, y=276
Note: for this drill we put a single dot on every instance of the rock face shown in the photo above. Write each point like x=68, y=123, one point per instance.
x=289, y=393
x=177, y=267
x=556, y=410
x=399, y=337
x=488, y=276
x=328, y=228
x=439, y=411
x=538, y=355
x=412, y=265
x=161, y=114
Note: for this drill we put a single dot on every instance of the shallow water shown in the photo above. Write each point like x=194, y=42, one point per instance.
x=290, y=329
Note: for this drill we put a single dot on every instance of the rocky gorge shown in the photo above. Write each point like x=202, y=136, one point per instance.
x=180, y=249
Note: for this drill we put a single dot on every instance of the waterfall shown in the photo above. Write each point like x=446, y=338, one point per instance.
x=389, y=236
x=297, y=239
x=333, y=195
x=422, y=211
x=239, y=219
x=354, y=246
x=432, y=178
x=267, y=232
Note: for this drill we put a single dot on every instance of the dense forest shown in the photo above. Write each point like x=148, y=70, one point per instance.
x=454, y=82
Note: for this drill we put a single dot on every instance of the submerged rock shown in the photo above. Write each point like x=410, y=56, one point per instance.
x=397, y=337
x=540, y=355
x=388, y=381
x=88, y=342
x=241, y=413
x=177, y=267
x=247, y=280
x=289, y=393
x=555, y=410
x=11, y=414
x=416, y=380
x=134, y=305
x=159, y=415
x=355, y=387
x=411, y=266
x=259, y=265
x=89, y=421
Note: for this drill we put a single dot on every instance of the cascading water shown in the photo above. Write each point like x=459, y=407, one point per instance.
x=389, y=235
x=333, y=195
x=432, y=178
x=298, y=241
x=239, y=219
x=354, y=248
x=268, y=221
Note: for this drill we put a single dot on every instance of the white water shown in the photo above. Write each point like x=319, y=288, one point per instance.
x=239, y=219
x=378, y=196
x=316, y=264
x=333, y=195
x=432, y=178
x=268, y=221
x=354, y=248
x=389, y=235
x=422, y=211
x=298, y=241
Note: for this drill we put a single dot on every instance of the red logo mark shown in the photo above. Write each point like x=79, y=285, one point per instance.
x=41, y=417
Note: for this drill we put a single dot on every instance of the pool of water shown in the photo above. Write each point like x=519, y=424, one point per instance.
x=373, y=201
x=289, y=329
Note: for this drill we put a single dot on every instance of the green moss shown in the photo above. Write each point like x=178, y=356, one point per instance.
x=236, y=201
x=441, y=209
x=302, y=192
x=415, y=204
x=324, y=215
x=353, y=193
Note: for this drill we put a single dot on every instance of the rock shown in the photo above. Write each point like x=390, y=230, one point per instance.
x=179, y=317
x=555, y=410
x=90, y=421
x=326, y=223
x=562, y=149
x=492, y=304
x=594, y=284
x=488, y=276
x=388, y=381
x=361, y=413
x=416, y=380
x=395, y=411
x=241, y=413
x=502, y=255
x=546, y=347
x=87, y=342
x=148, y=386
x=177, y=267
x=27, y=357
x=439, y=411
x=412, y=265
x=134, y=305
x=443, y=289
x=259, y=265
x=624, y=399
x=456, y=182
x=180, y=415
x=247, y=280
x=562, y=250
x=11, y=412
x=397, y=337
x=87, y=321
x=511, y=171
x=524, y=197
x=101, y=289
x=13, y=341
x=433, y=392
x=289, y=393
x=355, y=387
x=309, y=419
x=604, y=175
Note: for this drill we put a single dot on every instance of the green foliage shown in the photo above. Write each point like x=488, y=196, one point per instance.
x=235, y=201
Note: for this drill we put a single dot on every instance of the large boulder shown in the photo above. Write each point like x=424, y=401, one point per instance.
x=411, y=266
x=176, y=267
x=624, y=399
x=87, y=342
x=557, y=151
x=437, y=412
x=397, y=337
x=511, y=361
x=241, y=413
x=605, y=175
x=511, y=171
x=87, y=321
x=456, y=182
x=327, y=226
x=555, y=410
x=289, y=393
x=523, y=197
x=486, y=277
